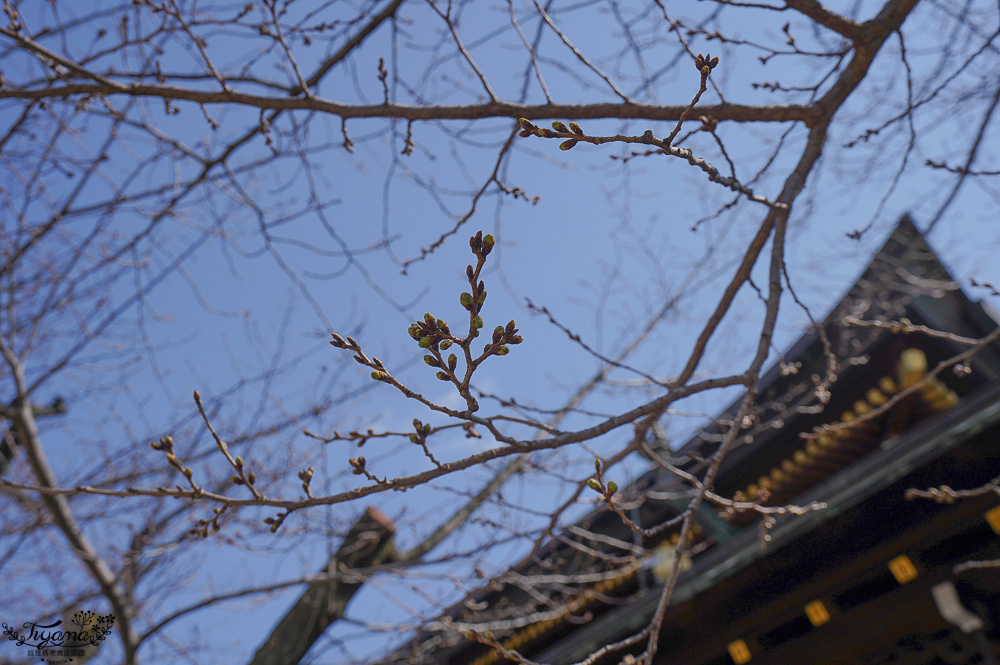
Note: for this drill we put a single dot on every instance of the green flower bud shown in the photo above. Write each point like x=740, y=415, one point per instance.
x=502, y=351
x=466, y=300
x=432, y=361
x=705, y=71
x=592, y=484
x=442, y=376
x=425, y=342
x=414, y=438
x=576, y=129
x=445, y=344
x=612, y=487
x=452, y=362
x=477, y=322
x=414, y=331
x=560, y=126
x=568, y=144
x=377, y=375
x=488, y=243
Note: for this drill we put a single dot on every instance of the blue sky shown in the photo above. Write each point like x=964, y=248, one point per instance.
x=604, y=246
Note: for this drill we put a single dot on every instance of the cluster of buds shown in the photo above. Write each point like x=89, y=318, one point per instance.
x=203, y=524
x=451, y=363
x=482, y=245
x=341, y=343
x=431, y=333
x=306, y=478
x=251, y=477
x=501, y=337
x=358, y=466
x=597, y=482
x=16, y=24
x=276, y=521
x=706, y=63
x=380, y=373
x=166, y=444
x=559, y=130
x=422, y=431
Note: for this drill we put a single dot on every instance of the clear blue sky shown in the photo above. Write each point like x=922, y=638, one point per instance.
x=606, y=243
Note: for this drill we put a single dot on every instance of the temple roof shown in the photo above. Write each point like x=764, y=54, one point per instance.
x=863, y=401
